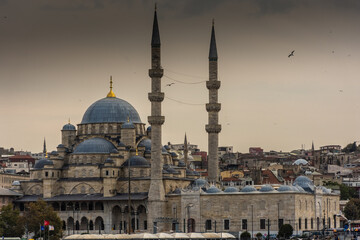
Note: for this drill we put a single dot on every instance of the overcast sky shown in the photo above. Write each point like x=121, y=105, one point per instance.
x=56, y=58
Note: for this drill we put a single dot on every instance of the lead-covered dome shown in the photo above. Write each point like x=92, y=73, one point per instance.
x=110, y=110
x=95, y=146
x=69, y=127
x=42, y=162
x=305, y=183
x=248, y=189
x=136, y=161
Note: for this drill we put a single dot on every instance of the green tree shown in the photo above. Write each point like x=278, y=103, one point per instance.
x=245, y=235
x=35, y=215
x=346, y=192
x=285, y=231
x=352, y=209
x=11, y=224
x=259, y=235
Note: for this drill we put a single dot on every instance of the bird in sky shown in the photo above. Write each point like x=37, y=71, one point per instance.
x=292, y=53
x=168, y=85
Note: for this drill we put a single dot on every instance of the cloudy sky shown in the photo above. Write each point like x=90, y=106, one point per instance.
x=56, y=58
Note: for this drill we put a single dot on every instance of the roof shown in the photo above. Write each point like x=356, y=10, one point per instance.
x=68, y=127
x=136, y=161
x=42, y=162
x=110, y=110
x=155, y=39
x=84, y=197
x=213, y=51
x=94, y=145
x=8, y=192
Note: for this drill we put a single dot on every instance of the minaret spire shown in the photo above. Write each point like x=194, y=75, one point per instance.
x=213, y=108
x=156, y=196
x=186, y=151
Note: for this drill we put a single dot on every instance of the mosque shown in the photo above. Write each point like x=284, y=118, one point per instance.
x=111, y=174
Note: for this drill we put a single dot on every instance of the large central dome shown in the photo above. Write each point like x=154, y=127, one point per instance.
x=110, y=110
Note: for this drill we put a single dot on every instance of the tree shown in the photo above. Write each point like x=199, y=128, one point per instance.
x=245, y=235
x=259, y=235
x=346, y=192
x=35, y=215
x=10, y=222
x=352, y=209
x=285, y=231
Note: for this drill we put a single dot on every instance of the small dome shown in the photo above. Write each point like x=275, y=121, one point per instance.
x=145, y=143
x=128, y=125
x=167, y=147
x=248, y=189
x=213, y=189
x=173, y=154
x=285, y=188
x=61, y=146
x=325, y=190
x=68, y=127
x=266, y=188
x=181, y=164
x=42, y=162
x=148, y=129
x=163, y=150
x=301, y=162
x=191, y=173
x=200, y=182
x=170, y=169
x=15, y=183
x=94, y=145
x=110, y=110
x=136, y=161
x=54, y=153
x=231, y=189
x=109, y=160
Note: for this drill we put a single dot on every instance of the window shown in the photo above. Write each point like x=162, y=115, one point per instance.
x=299, y=223
x=329, y=223
x=244, y=224
x=262, y=224
x=208, y=224
x=226, y=224
x=107, y=173
x=312, y=224
x=46, y=174
x=306, y=223
x=145, y=225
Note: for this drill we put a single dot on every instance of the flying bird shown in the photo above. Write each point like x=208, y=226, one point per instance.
x=292, y=53
x=168, y=85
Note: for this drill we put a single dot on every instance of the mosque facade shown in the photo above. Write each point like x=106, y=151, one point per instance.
x=110, y=174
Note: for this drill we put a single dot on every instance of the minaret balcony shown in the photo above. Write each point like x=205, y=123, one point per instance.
x=213, y=84
x=156, y=96
x=156, y=120
x=213, y=128
x=157, y=73
x=213, y=107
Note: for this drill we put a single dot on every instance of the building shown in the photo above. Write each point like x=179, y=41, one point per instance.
x=112, y=174
x=7, y=179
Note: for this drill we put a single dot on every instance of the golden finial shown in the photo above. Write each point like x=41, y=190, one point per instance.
x=69, y=120
x=137, y=153
x=128, y=119
x=46, y=156
x=111, y=94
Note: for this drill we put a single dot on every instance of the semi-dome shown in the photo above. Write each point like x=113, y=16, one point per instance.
x=110, y=110
x=42, y=162
x=181, y=163
x=299, y=188
x=173, y=154
x=95, y=145
x=213, y=189
x=200, y=182
x=305, y=183
x=248, y=189
x=231, y=189
x=145, y=143
x=266, y=188
x=301, y=162
x=136, y=161
x=69, y=127
x=285, y=188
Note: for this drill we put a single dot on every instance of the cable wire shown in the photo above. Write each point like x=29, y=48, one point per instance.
x=192, y=76
x=192, y=104
x=183, y=81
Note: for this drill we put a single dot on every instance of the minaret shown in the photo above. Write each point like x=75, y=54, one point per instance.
x=186, y=151
x=156, y=192
x=213, y=108
x=44, y=147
